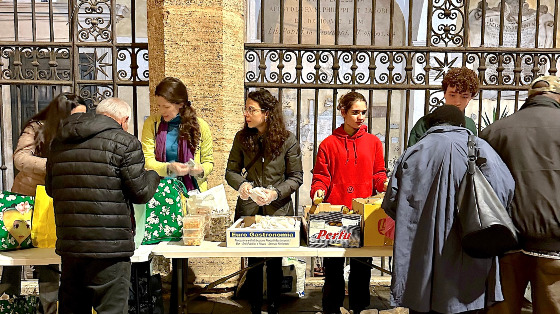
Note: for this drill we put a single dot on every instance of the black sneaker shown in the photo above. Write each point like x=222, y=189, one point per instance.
x=272, y=309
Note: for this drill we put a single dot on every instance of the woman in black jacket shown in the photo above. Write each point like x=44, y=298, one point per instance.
x=264, y=154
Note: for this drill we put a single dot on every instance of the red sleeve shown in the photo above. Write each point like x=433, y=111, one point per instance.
x=321, y=175
x=379, y=171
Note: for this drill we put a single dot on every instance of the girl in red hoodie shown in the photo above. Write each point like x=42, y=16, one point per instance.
x=349, y=165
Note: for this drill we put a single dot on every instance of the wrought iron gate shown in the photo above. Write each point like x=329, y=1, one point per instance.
x=95, y=48
x=395, y=52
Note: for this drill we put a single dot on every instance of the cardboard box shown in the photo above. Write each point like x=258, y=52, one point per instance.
x=375, y=221
x=236, y=236
x=332, y=228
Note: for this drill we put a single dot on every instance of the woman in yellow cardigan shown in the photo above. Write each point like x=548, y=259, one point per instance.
x=175, y=135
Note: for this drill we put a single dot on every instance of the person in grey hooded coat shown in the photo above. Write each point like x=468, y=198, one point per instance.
x=431, y=272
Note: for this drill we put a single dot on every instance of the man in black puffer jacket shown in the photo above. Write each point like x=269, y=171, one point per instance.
x=94, y=172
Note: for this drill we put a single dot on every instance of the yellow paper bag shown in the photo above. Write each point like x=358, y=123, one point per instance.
x=43, y=228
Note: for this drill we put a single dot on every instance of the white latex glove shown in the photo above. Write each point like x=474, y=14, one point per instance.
x=318, y=197
x=195, y=168
x=181, y=168
x=177, y=169
x=245, y=190
x=263, y=196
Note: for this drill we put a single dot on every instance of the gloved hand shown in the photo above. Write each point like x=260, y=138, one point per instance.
x=245, y=190
x=263, y=196
x=177, y=169
x=318, y=197
x=195, y=169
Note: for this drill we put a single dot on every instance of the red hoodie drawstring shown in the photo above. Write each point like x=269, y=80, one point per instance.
x=347, y=152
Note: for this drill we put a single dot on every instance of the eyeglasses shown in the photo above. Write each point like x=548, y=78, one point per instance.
x=251, y=111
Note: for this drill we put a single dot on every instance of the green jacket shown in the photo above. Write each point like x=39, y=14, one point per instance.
x=420, y=129
x=203, y=154
x=284, y=172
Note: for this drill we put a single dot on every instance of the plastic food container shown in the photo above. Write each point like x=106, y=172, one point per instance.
x=192, y=241
x=194, y=222
x=193, y=232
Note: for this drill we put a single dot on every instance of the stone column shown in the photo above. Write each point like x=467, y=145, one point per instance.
x=201, y=43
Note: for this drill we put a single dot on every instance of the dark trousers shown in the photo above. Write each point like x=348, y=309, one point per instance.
x=273, y=280
x=99, y=283
x=49, y=277
x=358, y=284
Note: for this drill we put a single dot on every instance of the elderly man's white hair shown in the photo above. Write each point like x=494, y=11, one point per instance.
x=114, y=107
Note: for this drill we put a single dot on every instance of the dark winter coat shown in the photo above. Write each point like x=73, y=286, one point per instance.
x=94, y=171
x=284, y=172
x=529, y=143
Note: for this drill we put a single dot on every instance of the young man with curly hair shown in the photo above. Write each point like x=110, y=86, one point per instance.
x=459, y=86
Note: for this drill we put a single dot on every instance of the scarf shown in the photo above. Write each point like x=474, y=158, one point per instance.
x=184, y=153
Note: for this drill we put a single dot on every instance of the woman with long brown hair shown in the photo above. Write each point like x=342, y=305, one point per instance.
x=30, y=158
x=265, y=155
x=175, y=135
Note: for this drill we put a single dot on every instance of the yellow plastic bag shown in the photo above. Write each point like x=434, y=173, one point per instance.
x=43, y=228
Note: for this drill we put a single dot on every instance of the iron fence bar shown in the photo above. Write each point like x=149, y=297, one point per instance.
x=555, y=28
x=538, y=18
x=368, y=86
x=409, y=33
x=498, y=109
x=418, y=49
x=71, y=83
x=261, y=13
x=479, y=122
x=298, y=136
x=355, y=23
x=520, y=19
x=75, y=55
x=388, y=127
x=406, y=117
x=482, y=24
x=3, y=167
x=336, y=21
x=33, y=21
x=391, y=26
x=281, y=36
x=318, y=32
x=516, y=103
x=501, y=34
x=35, y=98
x=113, y=48
x=370, y=110
x=16, y=21
x=373, y=8
x=315, y=124
x=51, y=23
x=466, y=36
x=334, y=101
x=300, y=18
x=18, y=112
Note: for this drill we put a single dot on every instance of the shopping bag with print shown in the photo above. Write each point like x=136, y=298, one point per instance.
x=165, y=211
x=43, y=228
x=16, y=211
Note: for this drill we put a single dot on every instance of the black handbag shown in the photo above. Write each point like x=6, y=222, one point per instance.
x=486, y=227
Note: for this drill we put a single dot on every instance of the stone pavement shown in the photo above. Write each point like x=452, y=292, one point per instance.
x=291, y=303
